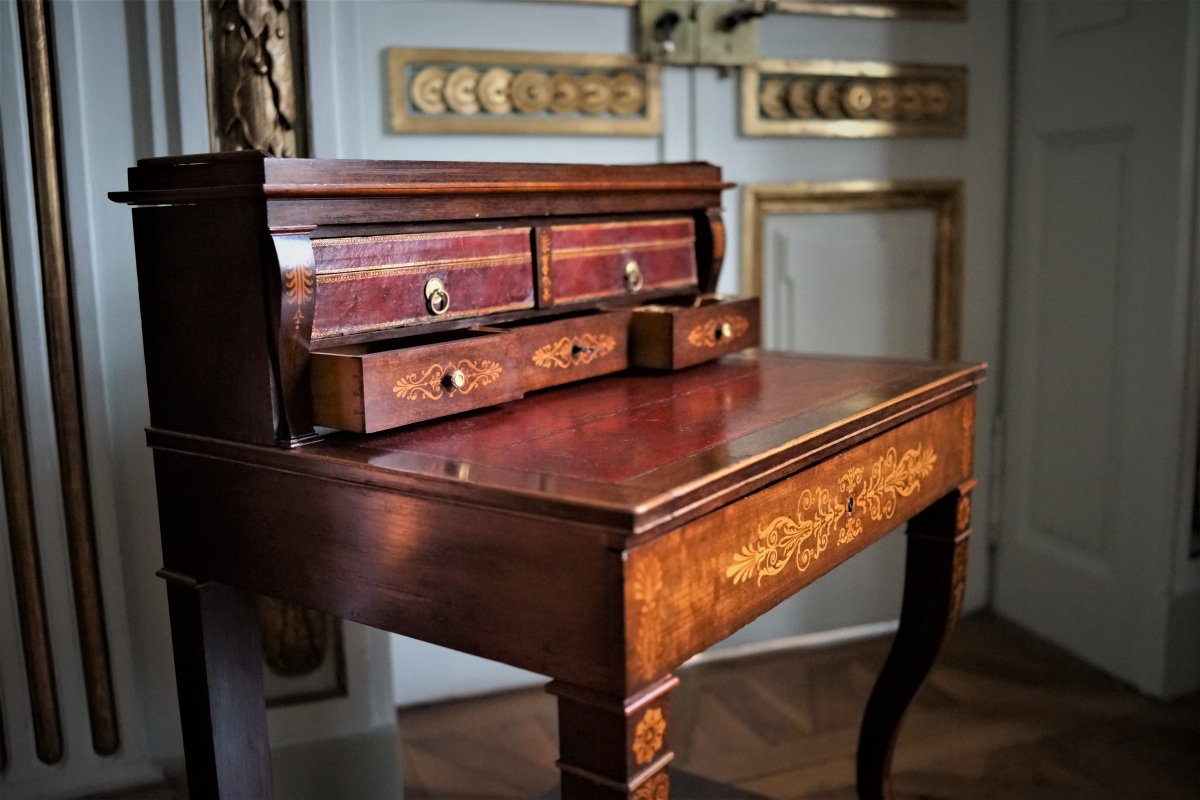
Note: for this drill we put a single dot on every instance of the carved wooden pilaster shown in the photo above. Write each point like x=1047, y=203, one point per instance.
x=256, y=76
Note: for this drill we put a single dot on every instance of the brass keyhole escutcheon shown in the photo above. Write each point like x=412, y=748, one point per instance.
x=633, y=277
x=454, y=379
x=724, y=331
x=437, y=299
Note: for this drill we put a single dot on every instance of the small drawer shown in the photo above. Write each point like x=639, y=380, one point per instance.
x=372, y=283
x=370, y=387
x=572, y=348
x=673, y=337
x=595, y=261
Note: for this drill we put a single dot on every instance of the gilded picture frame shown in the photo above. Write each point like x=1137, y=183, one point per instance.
x=944, y=199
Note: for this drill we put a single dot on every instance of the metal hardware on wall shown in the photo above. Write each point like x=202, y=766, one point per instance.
x=254, y=50
x=942, y=198
x=59, y=312
x=691, y=32
x=948, y=10
x=492, y=91
x=853, y=99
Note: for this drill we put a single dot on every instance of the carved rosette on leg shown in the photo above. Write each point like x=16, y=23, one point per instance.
x=614, y=746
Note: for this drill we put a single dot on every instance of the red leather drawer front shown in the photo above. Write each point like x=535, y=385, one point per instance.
x=374, y=283
x=578, y=263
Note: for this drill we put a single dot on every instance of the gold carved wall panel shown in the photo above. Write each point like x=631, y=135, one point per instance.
x=494, y=91
x=853, y=99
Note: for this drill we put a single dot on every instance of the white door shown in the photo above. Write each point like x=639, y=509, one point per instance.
x=1092, y=552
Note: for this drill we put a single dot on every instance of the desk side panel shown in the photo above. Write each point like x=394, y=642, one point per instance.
x=691, y=588
x=496, y=584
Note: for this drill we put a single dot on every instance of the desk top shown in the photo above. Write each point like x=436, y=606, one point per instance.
x=632, y=452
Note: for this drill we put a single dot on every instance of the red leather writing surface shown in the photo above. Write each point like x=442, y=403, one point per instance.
x=375, y=283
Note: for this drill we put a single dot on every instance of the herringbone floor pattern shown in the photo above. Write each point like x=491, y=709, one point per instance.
x=1004, y=715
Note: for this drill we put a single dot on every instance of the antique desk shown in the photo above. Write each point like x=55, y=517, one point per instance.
x=601, y=532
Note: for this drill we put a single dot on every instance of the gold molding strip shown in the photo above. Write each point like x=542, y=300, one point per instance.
x=254, y=54
x=943, y=198
x=59, y=311
x=22, y=534
x=853, y=99
x=499, y=91
x=947, y=10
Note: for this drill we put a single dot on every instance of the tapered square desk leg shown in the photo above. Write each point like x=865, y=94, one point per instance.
x=218, y=668
x=934, y=582
x=614, y=747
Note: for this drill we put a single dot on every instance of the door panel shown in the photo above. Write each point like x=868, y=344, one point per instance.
x=1094, y=372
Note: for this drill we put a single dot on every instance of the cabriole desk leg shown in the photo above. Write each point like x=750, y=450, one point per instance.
x=934, y=582
x=614, y=747
x=218, y=667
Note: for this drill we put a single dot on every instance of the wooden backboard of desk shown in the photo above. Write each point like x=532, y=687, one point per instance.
x=601, y=532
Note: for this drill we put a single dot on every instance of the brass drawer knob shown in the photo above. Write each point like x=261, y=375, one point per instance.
x=633, y=277
x=724, y=331
x=454, y=379
x=437, y=299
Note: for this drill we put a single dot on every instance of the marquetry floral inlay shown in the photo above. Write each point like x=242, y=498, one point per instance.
x=824, y=513
x=712, y=332
x=647, y=582
x=298, y=288
x=568, y=351
x=431, y=384
x=656, y=787
x=648, y=736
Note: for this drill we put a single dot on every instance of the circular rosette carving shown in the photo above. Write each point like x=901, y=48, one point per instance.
x=427, y=88
x=829, y=99
x=493, y=91
x=858, y=100
x=628, y=94
x=532, y=92
x=937, y=100
x=564, y=93
x=595, y=93
x=460, y=91
x=800, y=99
x=772, y=98
x=887, y=100
x=912, y=102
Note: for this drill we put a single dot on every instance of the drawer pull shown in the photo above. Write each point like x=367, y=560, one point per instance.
x=454, y=379
x=437, y=299
x=724, y=330
x=633, y=277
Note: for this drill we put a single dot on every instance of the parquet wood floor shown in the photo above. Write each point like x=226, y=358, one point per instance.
x=1004, y=715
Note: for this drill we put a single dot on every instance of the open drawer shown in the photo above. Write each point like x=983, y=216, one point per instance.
x=571, y=348
x=370, y=387
x=677, y=336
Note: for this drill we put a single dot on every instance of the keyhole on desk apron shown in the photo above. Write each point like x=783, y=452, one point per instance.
x=850, y=507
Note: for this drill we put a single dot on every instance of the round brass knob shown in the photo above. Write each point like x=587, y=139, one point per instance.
x=454, y=379
x=437, y=299
x=724, y=330
x=633, y=277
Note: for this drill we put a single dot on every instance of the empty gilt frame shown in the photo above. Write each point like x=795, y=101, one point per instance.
x=853, y=99
x=500, y=91
x=942, y=198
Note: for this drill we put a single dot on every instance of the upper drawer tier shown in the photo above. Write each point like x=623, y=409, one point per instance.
x=578, y=263
x=373, y=283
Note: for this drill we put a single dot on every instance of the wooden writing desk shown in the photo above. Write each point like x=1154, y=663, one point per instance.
x=599, y=533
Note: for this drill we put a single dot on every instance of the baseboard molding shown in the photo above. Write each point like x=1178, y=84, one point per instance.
x=852, y=633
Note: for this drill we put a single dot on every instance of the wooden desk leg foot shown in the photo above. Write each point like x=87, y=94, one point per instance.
x=614, y=747
x=218, y=667
x=934, y=581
